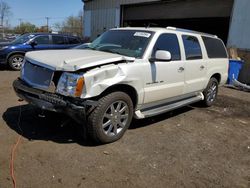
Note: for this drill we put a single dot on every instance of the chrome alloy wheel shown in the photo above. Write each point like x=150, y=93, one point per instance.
x=115, y=118
x=17, y=62
x=212, y=92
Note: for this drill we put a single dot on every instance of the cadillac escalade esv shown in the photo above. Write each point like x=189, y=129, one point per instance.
x=125, y=73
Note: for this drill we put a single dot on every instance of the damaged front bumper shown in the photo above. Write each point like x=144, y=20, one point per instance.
x=51, y=101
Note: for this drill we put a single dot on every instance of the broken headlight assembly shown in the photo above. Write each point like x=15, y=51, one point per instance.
x=70, y=84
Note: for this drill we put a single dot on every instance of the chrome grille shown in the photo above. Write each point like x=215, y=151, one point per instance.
x=37, y=76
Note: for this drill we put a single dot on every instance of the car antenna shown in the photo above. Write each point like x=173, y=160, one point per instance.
x=151, y=24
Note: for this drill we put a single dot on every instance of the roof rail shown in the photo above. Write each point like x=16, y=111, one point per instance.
x=190, y=31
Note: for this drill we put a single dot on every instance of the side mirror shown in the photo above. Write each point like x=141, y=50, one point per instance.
x=33, y=43
x=162, y=55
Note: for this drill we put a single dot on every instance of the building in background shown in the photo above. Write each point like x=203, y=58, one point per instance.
x=228, y=19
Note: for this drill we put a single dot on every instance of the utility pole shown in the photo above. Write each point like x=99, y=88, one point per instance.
x=47, y=18
x=20, y=22
x=2, y=18
x=81, y=29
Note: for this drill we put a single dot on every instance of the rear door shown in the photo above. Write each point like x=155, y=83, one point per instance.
x=73, y=41
x=59, y=42
x=196, y=64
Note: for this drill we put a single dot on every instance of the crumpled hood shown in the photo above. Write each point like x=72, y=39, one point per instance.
x=74, y=59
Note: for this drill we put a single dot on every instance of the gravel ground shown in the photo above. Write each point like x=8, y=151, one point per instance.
x=189, y=147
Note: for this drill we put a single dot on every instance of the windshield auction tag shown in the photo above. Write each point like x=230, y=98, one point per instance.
x=142, y=34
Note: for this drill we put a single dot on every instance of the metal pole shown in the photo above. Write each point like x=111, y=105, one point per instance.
x=47, y=18
x=1, y=6
x=20, y=22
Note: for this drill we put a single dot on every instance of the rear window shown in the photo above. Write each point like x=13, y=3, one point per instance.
x=215, y=48
x=73, y=40
x=192, y=47
x=58, y=40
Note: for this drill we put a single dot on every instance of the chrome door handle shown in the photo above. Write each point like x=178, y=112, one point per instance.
x=181, y=69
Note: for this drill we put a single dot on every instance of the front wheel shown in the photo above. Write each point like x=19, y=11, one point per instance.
x=111, y=118
x=210, y=93
x=15, y=61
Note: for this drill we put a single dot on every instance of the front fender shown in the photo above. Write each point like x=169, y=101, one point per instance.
x=100, y=79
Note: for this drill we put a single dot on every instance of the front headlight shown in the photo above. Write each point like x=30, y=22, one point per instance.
x=70, y=84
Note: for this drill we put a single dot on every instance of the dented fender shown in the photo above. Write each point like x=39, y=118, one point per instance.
x=99, y=79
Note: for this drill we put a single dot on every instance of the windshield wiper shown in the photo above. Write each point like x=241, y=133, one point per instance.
x=111, y=51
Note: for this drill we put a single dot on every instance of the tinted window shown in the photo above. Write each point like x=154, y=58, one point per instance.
x=130, y=43
x=215, y=48
x=168, y=42
x=73, y=40
x=58, y=40
x=42, y=39
x=192, y=47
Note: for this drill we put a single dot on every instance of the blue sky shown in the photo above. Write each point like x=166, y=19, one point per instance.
x=35, y=11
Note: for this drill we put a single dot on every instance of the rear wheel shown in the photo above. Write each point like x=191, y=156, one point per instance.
x=210, y=93
x=111, y=118
x=15, y=61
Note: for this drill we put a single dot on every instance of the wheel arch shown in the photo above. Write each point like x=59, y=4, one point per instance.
x=129, y=90
x=217, y=76
x=15, y=53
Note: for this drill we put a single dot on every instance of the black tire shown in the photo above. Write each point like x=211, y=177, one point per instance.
x=15, y=61
x=103, y=112
x=210, y=93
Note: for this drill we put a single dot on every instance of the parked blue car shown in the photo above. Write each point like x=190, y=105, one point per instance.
x=13, y=53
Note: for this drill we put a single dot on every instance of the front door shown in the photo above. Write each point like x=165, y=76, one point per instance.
x=42, y=43
x=165, y=79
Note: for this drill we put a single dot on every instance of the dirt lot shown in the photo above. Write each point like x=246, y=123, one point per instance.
x=189, y=147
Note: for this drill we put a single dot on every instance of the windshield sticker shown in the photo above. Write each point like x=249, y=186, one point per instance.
x=142, y=34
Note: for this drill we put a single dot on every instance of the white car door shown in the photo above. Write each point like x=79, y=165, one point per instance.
x=196, y=65
x=165, y=79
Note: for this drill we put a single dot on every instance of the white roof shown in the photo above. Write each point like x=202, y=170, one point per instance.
x=161, y=29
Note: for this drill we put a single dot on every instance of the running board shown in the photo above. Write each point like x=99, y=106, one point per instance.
x=169, y=107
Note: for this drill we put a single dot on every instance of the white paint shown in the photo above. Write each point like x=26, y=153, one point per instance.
x=73, y=60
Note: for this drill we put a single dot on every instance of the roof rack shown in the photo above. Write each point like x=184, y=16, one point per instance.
x=190, y=31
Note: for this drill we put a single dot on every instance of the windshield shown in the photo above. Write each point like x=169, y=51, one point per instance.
x=130, y=43
x=22, y=39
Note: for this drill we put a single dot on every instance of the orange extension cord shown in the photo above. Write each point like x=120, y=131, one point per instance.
x=14, y=148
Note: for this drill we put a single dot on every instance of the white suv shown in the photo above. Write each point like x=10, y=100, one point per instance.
x=125, y=73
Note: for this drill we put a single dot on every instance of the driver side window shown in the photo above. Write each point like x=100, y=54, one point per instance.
x=168, y=42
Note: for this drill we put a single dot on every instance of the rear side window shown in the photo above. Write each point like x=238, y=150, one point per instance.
x=73, y=40
x=58, y=40
x=215, y=48
x=168, y=42
x=42, y=39
x=192, y=47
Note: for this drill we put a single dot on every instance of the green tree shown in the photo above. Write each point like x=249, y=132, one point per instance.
x=25, y=27
x=4, y=14
x=72, y=25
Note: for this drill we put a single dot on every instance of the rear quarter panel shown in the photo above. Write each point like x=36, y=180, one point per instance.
x=218, y=65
